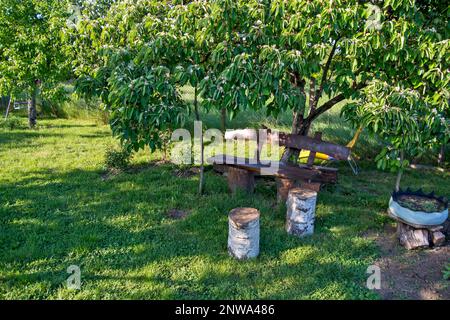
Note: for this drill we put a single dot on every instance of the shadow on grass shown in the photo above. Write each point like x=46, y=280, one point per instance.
x=18, y=139
x=119, y=227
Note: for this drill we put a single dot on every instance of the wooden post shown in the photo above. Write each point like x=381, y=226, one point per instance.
x=240, y=179
x=283, y=187
x=312, y=154
x=301, y=207
x=314, y=186
x=243, y=233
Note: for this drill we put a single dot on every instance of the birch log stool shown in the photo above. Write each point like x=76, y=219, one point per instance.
x=301, y=208
x=243, y=234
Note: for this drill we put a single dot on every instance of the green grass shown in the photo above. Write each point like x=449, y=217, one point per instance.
x=57, y=209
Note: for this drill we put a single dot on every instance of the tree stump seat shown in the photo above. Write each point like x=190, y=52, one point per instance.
x=243, y=233
x=301, y=208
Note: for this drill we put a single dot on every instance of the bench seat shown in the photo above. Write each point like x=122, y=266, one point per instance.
x=314, y=174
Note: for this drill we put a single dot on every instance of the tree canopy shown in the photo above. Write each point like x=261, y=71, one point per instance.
x=388, y=64
x=30, y=45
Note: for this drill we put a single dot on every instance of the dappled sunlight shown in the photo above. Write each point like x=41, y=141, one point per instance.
x=63, y=212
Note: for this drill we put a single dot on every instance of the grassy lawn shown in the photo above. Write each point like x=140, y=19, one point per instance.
x=58, y=208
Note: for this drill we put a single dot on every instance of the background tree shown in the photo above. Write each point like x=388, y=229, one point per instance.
x=31, y=55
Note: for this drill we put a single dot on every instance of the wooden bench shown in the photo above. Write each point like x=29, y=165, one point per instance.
x=241, y=172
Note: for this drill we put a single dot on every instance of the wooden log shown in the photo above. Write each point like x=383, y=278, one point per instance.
x=403, y=228
x=446, y=228
x=240, y=179
x=283, y=170
x=299, y=142
x=243, y=233
x=437, y=238
x=301, y=207
x=312, y=154
x=314, y=186
x=283, y=187
x=220, y=168
x=412, y=238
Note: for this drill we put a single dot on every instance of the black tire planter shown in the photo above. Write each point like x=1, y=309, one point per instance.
x=418, y=218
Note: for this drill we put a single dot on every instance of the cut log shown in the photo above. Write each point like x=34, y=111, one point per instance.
x=300, y=142
x=412, y=238
x=301, y=207
x=403, y=228
x=283, y=187
x=446, y=229
x=240, y=179
x=437, y=238
x=243, y=233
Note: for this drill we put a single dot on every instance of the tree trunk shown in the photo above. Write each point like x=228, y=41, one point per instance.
x=202, y=148
x=441, y=156
x=400, y=172
x=32, y=113
x=223, y=119
x=299, y=126
x=8, y=108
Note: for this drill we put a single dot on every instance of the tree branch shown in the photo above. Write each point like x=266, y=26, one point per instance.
x=325, y=72
x=312, y=95
x=330, y=103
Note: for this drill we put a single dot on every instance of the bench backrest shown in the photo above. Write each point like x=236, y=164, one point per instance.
x=294, y=141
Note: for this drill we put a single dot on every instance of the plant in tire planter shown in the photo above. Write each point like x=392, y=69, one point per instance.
x=418, y=208
x=411, y=122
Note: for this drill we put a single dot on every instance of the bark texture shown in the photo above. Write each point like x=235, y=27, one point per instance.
x=301, y=208
x=243, y=233
x=437, y=238
x=32, y=112
x=412, y=238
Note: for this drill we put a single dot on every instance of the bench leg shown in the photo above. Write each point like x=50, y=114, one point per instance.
x=283, y=187
x=240, y=179
x=314, y=186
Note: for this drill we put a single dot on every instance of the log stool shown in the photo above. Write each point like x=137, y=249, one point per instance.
x=243, y=234
x=301, y=207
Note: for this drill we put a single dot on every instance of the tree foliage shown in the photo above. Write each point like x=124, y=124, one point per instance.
x=30, y=44
x=387, y=63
